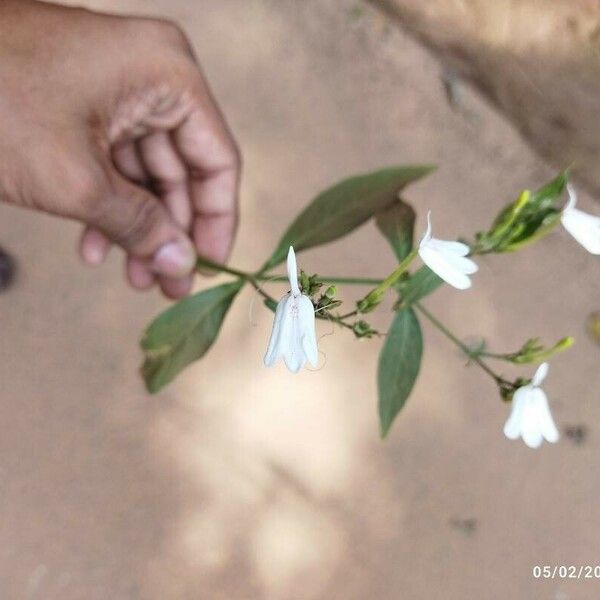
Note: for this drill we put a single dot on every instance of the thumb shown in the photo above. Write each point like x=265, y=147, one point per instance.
x=137, y=221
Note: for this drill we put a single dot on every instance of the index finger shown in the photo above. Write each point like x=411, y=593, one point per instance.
x=211, y=156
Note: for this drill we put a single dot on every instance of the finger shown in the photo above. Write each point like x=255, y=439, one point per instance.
x=213, y=230
x=169, y=175
x=93, y=246
x=138, y=221
x=128, y=162
x=175, y=288
x=139, y=274
x=208, y=150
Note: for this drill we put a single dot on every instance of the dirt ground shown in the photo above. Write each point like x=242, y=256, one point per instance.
x=537, y=61
x=241, y=483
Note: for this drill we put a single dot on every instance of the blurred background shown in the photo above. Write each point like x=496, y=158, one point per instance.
x=242, y=483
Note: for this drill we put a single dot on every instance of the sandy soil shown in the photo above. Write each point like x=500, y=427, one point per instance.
x=242, y=483
x=536, y=60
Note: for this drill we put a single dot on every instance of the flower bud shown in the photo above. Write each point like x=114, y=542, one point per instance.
x=304, y=283
x=369, y=302
x=533, y=352
x=530, y=217
x=362, y=329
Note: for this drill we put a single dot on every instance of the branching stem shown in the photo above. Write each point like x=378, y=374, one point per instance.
x=213, y=266
x=254, y=281
x=473, y=356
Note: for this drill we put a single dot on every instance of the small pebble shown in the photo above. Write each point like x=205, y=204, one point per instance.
x=465, y=526
x=576, y=433
x=7, y=270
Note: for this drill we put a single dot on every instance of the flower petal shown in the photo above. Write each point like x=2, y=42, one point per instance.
x=547, y=426
x=533, y=438
x=427, y=235
x=292, y=269
x=277, y=338
x=585, y=228
x=540, y=374
x=460, y=263
x=512, y=427
x=530, y=425
x=293, y=353
x=307, y=330
x=572, y=197
x=294, y=361
x=439, y=264
x=452, y=247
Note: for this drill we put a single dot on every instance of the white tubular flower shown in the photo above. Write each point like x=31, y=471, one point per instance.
x=293, y=337
x=585, y=228
x=447, y=260
x=530, y=417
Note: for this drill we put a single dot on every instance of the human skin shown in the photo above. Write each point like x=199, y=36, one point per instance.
x=108, y=120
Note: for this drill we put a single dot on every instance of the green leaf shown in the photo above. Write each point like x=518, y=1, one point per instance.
x=397, y=222
x=399, y=364
x=421, y=284
x=270, y=304
x=184, y=333
x=343, y=207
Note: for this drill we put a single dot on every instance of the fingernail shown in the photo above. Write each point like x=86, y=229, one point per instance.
x=174, y=259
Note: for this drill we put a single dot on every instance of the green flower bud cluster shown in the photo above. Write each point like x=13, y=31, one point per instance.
x=309, y=284
x=362, y=329
x=534, y=352
x=530, y=217
x=327, y=300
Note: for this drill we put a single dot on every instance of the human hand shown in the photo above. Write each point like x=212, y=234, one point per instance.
x=108, y=120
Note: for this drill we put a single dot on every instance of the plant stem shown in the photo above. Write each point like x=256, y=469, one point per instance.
x=389, y=281
x=209, y=264
x=373, y=298
x=326, y=279
x=352, y=313
x=204, y=262
x=507, y=357
x=257, y=287
x=213, y=266
x=472, y=356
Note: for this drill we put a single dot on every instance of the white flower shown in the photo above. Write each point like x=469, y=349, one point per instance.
x=583, y=227
x=293, y=336
x=447, y=260
x=530, y=417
